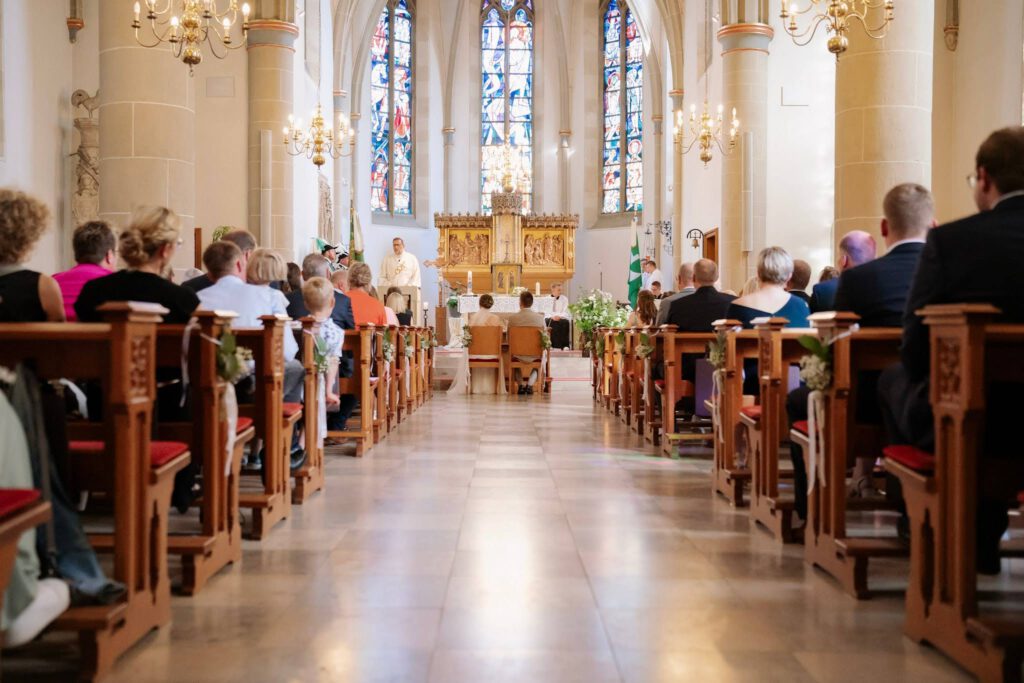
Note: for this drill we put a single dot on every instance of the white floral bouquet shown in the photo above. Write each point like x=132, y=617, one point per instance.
x=545, y=339
x=596, y=309
x=716, y=351
x=388, y=347
x=233, y=361
x=467, y=337
x=516, y=291
x=644, y=349
x=409, y=349
x=816, y=369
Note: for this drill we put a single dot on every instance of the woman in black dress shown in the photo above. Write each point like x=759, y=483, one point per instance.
x=26, y=296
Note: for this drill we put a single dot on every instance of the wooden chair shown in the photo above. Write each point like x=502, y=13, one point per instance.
x=20, y=510
x=826, y=542
x=729, y=478
x=671, y=346
x=119, y=354
x=218, y=542
x=274, y=420
x=485, y=352
x=310, y=477
x=969, y=352
x=386, y=414
x=766, y=423
x=525, y=343
x=363, y=384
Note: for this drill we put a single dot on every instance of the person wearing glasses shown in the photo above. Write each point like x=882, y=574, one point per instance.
x=147, y=246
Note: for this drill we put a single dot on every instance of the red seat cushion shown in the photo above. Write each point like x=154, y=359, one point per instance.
x=13, y=500
x=291, y=409
x=911, y=457
x=802, y=427
x=243, y=424
x=753, y=412
x=160, y=452
x=659, y=383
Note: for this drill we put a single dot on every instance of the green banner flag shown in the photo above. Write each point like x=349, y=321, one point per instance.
x=634, y=265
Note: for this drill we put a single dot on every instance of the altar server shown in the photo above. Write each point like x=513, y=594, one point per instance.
x=560, y=317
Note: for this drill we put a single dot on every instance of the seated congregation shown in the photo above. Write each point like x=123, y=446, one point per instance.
x=873, y=418
x=150, y=426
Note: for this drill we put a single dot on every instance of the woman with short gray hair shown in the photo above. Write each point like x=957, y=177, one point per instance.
x=770, y=299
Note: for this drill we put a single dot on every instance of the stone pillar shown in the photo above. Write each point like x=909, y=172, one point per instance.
x=342, y=185
x=745, y=45
x=883, y=116
x=147, y=128
x=271, y=55
x=677, y=187
x=448, y=136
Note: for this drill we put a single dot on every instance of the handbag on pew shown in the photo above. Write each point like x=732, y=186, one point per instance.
x=63, y=548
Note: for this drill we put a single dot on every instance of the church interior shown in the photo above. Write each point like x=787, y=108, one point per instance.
x=511, y=340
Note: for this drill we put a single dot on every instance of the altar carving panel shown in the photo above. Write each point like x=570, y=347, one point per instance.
x=469, y=248
x=544, y=249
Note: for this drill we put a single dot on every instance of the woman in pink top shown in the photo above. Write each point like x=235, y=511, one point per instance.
x=94, y=244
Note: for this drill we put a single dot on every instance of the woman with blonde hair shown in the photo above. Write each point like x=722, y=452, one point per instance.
x=266, y=267
x=147, y=247
x=646, y=312
x=26, y=296
x=395, y=301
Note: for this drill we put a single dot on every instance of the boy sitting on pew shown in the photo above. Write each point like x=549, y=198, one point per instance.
x=318, y=296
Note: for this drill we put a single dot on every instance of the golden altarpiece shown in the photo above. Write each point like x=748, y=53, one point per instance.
x=506, y=250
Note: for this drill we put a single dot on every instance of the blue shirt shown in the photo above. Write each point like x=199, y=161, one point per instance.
x=250, y=302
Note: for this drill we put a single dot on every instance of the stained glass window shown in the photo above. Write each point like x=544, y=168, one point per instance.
x=506, y=96
x=391, y=110
x=622, y=171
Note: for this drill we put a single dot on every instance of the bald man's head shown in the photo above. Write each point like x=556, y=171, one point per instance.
x=856, y=247
x=684, y=278
x=705, y=273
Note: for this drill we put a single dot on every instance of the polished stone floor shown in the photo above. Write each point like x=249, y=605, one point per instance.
x=531, y=541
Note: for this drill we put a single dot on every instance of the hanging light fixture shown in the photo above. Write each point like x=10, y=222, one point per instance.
x=705, y=132
x=185, y=25
x=837, y=16
x=319, y=142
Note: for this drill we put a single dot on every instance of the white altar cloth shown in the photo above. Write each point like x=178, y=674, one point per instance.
x=505, y=304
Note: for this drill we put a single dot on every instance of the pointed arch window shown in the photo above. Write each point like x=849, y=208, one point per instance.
x=391, y=64
x=622, y=171
x=506, y=103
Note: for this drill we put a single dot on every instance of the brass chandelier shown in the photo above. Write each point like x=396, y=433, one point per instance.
x=185, y=25
x=319, y=142
x=705, y=132
x=837, y=16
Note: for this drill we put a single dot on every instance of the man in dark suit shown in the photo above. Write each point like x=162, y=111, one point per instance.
x=877, y=292
x=696, y=312
x=973, y=260
x=856, y=248
x=797, y=285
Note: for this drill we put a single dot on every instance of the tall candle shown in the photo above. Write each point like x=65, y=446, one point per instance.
x=537, y=288
x=469, y=280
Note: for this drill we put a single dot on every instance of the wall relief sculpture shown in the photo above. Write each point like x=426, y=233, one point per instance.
x=544, y=249
x=325, y=221
x=85, y=204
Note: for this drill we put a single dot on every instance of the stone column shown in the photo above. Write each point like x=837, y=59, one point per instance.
x=676, y=96
x=271, y=55
x=342, y=184
x=883, y=116
x=745, y=38
x=448, y=137
x=147, y=128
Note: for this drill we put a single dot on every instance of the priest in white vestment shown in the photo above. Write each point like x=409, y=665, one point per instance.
x=399, y=269
x=559, y=318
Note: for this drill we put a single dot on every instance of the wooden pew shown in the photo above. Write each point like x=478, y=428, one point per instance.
x=766, y=423
x=310, y=477
x=969, y=352
x=673, y=387
x=826, y=543
x=119, y=354
x=274, y=421
x=728, y=477
x=404, y=365
x=610, y=371
x=652, y=388
x=363, y=384
x=386, y=414
x=21, y=510
x=218, y=542
x=428, y=373
x=628, y=380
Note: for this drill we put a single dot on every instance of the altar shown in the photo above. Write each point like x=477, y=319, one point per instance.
x=507, y=304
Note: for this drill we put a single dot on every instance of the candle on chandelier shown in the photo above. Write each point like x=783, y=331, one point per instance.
x=137, y=10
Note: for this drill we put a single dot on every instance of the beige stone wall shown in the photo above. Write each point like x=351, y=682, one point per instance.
x=147, y=128
x=883, y=116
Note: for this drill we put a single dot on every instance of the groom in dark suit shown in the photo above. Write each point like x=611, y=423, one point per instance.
x=973, y=260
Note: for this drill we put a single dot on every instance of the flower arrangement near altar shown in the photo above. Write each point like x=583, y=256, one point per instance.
x=232, y=360
x=516, y=291
x=596, y=309
x=816, y=369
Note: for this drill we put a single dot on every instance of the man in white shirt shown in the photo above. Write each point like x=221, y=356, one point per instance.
x=559, y=320
x=223, y=262
x=399, y=269
x=650, y=275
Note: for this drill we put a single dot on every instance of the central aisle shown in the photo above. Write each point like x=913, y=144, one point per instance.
x=509, y=539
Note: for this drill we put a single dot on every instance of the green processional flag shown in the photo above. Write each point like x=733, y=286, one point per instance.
x=634, y=265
